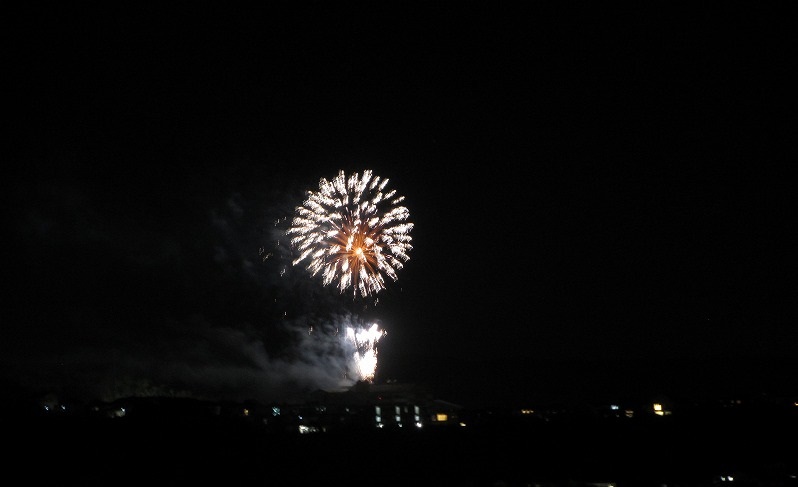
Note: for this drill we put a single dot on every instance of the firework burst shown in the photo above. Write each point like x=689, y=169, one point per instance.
x=352, y=232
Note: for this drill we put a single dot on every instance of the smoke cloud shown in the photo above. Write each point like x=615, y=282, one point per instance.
x=120, y=303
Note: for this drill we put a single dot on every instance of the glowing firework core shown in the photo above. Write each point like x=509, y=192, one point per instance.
x=352, y=232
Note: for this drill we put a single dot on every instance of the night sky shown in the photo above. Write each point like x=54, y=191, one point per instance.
x=600, y=197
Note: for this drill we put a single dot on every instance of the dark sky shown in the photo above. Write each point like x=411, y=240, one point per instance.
x=587, y=185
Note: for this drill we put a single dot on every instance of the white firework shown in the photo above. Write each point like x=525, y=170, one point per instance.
x=365, y=355
x=353, y=232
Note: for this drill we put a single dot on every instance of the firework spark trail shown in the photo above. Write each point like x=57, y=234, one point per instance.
x=353, y=352
x=365, y=355
x=352, y=232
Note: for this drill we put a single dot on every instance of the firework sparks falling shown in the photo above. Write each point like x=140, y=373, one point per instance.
x=353, y=232
x=365, y=356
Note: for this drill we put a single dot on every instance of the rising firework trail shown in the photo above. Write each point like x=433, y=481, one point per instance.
x=365, y=355
x=353, y=232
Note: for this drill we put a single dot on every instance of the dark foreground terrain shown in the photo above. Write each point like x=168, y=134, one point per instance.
x=695, y=448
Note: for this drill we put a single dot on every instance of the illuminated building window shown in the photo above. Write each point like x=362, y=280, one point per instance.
x=659, y=411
